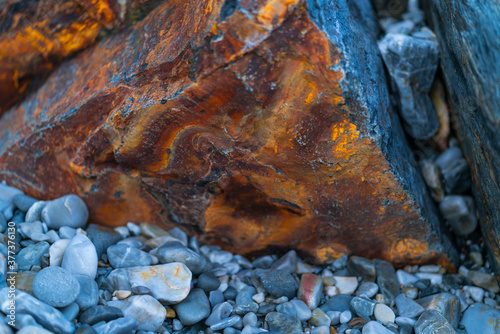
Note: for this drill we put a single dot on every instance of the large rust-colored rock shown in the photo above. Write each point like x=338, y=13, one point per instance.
x=468, y=35
x=258, y=125
x=36, y=35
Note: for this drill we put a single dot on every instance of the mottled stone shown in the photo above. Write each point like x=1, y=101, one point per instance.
x=56, y=251
x=484, y=280
x=277, y=282
x=384, y=314
x=219, y=312
x=337, y=303
x=362, y=307
x=446, y=304
x=373, y=327
x=123, y=256
x=407, y=307
x=480, y=318
x=367, y=289
x=319, y=318
x=283, y=323
x=310, y=290
x=119, y=326
x=24, y=281
x=31, y=255
x=346, y=284
x=56, y=287
x=146, y=310
x=431, y=321
x=360, y=266
x=432, y=177
x=287, y=262
x=102, y=238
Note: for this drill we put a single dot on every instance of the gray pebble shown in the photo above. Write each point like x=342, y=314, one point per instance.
x=140, y=290
x=283, y=323
x=100, y=313
x=219, y=312
x=80, y=257
x=176, y=252
x=146, y=310
x=208, y=282
x=68, y=210
x=287, y=262
x=102, y=237
x=194, y=308
x=66, y=232
x=363, y=307
x=459, y=212
x=124, y=325
x=56, y=286
x=250, y=319
x=373, y=327
x=319, y=318
x=89, y=292
x=264, y=262
x=360, y=266
x=367, y=289
x=387, y=280
x=179, y=234
x=31, y=255
x=287, y=308
x=227, y=322
x=230, y=293
x=302, y=310
x=447, y=304
x=337, y=303
x=408, y=307
x=70, y=311
x=431, y=321
x=35, y=212
x=277, y=283
x=216, y=297
x=23, y=202
x=124, y=256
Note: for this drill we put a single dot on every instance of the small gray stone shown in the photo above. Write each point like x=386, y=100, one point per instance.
x=432, y=177
x=302, y=310
x=244, y=301
x=384, y=314
x=287, y=262
x=217, y=297
x=287, y=308
x=194, y=308
x=177, y=325
x=459, y=212
x=28, y=229
x=179, y=234
x=411, y=292
x=80, y=257
x=360, y=266
x=373, y=327
x=47, y=316
x=412, y=63
x=276, y=282
x=405, y=278
x=31, y=255
x=227, y=322
x=362, y=307
x=431, y=321
x=56, y=287
x=455, y=171
x=102, y=237
x=408, y=307
x=319, y=318
x=264, y=262
x=176, y=252
x=283, y=323
x=68, y=210
x=141, y=290
x=481, y=318
x=23, y=202
x=66, y=232
x=124, y=325
x=250, y=319
x=387, y=280
x=208, y=282
x=220, y=257
x=35, y=212
x=89, y=292
x=100, y=313
x=219, y=312
x=148, y=312
x=446, y=304
x=124, y=256
x=368, y=289
x=337, y=303
x=484, y=280
x=71, y=311
x=345, y=317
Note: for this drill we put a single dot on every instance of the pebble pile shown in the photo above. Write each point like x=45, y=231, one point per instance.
x=78, y=278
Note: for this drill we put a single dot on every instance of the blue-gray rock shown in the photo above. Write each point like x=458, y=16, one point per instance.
x=446, y=304
x=194, y=308
x=68, y=210
x=208, y=282
x=284, y=323
x=56, y=286
x=217, y=297
x=102, y=237
x=219, y=312
x=35, y=212
x=287, y=262
x=85, y=329
x=360, y=266
x=244, y=301
x=362, y=307
x=179, y=234
x=176, y=252
x=481, y=318
x=374, y=327
x=467, y=34
x=6, y=197
x=264, y=262
x=31, y=255
x=80, y=257
x=124, y=256
x=319, y=318
x=340, y=303
x=387, y=280
x=412, y=63
x=262, y=309
x=148, y=311
x=367, y=289
x=277, y=283
x=28, y=229
x=459, y=211
x=140, y=290
x=99, y=313
x=89, y=292
x=4, y=328
x=230, y=293
x=124, y=325
x=250, y=319
x=220, y=257
x=303, y=312
x=227, y=322
x=431, y=322
x=66, y=232
x=22, y=321
x=23, y=202
x=105, y=284
x=3, y=223
x=455, y=171
x=47, y=316
x=71, y=311
x=287, y=308
x=407, y=307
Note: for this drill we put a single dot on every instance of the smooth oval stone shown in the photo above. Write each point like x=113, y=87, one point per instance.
x=287, y=262
x=208, y=282
x=346, y=284
x=80, y=257
x=219, y=312
x=216, y=297
x=302, y=310
x=89, y=292
x=277, y=283
x=407, y=307
x=194, y=308
x=310, y=290
x=405, y=278
x=169, y=283
x=31, y=255
x=179, y=234
x=284, y=323
x=35, y=212
x=337, y=303
x=124, y=256
x=100, y=313
x=140, y=290
x=66, y=232
x=431, y=321
x=148, y=312
x=287, y=308
x=362, y=307
x=23, y=202
x=384, y=314
x=118, y=326
x=68, y=210
x=176, y=252
x=319, y=318
x=71, y=311
x=47, y=316
x=56, y=287
x=102, y=237
x=250, y=319
x=368, y=289
x=481, y=318
x=373, y=327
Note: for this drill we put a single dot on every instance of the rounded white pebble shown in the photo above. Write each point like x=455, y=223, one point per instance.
x=384, y=314
x=345, y=317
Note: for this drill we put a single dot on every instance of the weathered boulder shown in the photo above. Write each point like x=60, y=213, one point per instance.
x=257, y=124
x=468, y=33
x=36, y=35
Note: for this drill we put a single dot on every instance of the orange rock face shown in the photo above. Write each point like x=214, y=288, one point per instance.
x=36, y=35
x=242, y=124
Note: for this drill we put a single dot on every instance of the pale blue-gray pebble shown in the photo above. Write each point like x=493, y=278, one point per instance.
x=31, y=255
x=23, y=202
x=194, y=308
x=124, y=325
x=303, y=312
x=250, y=319
x=124, y=256
x=70, y=311
x=481, y=318
x=56, y=286
x=35, y=212
x=89, y=292
x=69, y=210
x=219, y=312
x=227, y=322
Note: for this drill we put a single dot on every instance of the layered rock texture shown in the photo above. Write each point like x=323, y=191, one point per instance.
x=468, y=33
x=256, y=124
